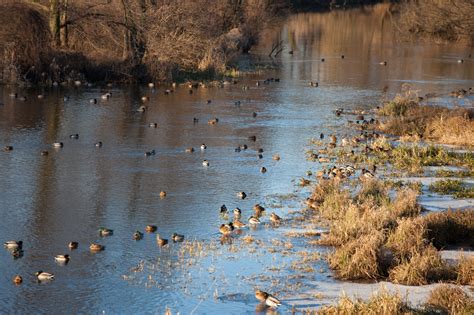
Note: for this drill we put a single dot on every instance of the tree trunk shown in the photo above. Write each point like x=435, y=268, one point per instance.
x=63, y=35
x=54, y=22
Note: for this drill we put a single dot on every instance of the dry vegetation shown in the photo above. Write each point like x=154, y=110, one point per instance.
x=376, y=236
x=448, y=20
x=406, y=116
x=62, y=40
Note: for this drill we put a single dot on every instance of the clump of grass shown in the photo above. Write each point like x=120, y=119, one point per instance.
x=465, y=271
x=358, y=259
x=408, y=238
x=453, y=187
x=381, y=303
x=330, y=199
x=405, y=203
x=452, y=227
x=458, y=130
x=451, y=300
x=422, y=268
x=450, y=173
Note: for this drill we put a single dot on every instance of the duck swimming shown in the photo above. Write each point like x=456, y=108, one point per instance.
x=269, y=299
x=96, y=247
x=274, y=218
x=253, y=220
x=44, y=276
x=137, y=235
x=17, y=279
x=150, y=228
x=241, y=194
x=73, y=245
x=13, y=244
x=63, y=259
x=177, y=237
x=161, y=241
x=226, y=228
x=105, y=232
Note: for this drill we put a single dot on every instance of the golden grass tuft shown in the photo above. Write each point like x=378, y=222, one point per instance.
x=422, y=268
x=465, y=271
x=381, y=303
x=450, y=299
x=408, y=238
x=358, y=259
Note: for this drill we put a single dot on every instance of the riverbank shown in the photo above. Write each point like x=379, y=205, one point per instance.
x=380, y=227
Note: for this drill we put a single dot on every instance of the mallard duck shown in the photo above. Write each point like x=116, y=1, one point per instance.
x=237, y=212
x=145, y=98
x=142, y=109
x=163, y=194
x=205, y=163
x=8, y=148
x=223, y=209
x=150, y=228
x=243, y=147
x=161, y=241
x=383, y=63
x=276, y=157
x=226, y=228
x=260, y=156
x=22, y=98
x=177, y=237
x=98, y=144
x=189, y=150
x=137, y=235
x=44, y=153
x=73, y=245
x=13, y=95
x=153, y=125
x=238, y=224
x=203, y=147
x=254, y=220
x=96, y=247
x=252, y=138
x=93, y=101
x=58, y=145
x=274, y=218
x=241, y=194
x=74, y=136
x=17, y=279
x=366, y=174
x=17, y=253
x=40, y=96
x=258, y=209
x=44, y=276
x=263, y=169
x=106, y=96
x=269, y=299
x=213, y=121
x=63, y=259
x=105, y=232
x=13, y=244
x=151, y=85
x=313, y=84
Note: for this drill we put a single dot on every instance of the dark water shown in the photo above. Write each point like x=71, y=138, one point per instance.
x=47, y=201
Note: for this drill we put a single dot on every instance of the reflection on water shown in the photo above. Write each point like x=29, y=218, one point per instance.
x=48, y=201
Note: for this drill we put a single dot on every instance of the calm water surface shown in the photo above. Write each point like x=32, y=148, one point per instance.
x=47, y=201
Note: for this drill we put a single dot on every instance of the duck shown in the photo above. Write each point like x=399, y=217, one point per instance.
x=98, y=144
x=13, y=95
x=145, y=98
x=161, y=241
x=383, y=63
x=313, y=84
x=263, y=169
x=241, y=194
x=153, y=125
x=63, y=259
x=40, y=96
x=73, y=245
x=177, y=237
x=223, y=209
x=74, y=136
x=213, y=121
x=22, y=98
x=260, y=156
x=274, y=218
x=96, y=247
x=226, y=228
x=254, y=114
x=276, y=157
x=44, y=276
x=93, y=101
x=106, y=96
x=252, y=138
x=17, y=279
x=163, y=194
x=58, y=145
x=269, y=299
x=189, y=150
x=243, y=147
x=142, y=109
x=366, y=174
x=258, y=209
x=205, y=163
x=150, y=228
x=105, y=232
x=151, y=85
x=254, y=220
x=237, y=212
x=238, y=224
x=13, y=244
x=17, y=253
x=203, y=147
x=195, y=120
x=8, y=148
x=137, y=235
x=323, y=60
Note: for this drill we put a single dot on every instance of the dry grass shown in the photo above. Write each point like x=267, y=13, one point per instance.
x=358, y=259
x=450, y=299
x=408, y=238
x=406, y=117
x=381, y=303
x=452, y=227
x=465, y=271
x=422, y=268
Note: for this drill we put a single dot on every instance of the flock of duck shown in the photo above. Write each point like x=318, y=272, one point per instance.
x=227, y=229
